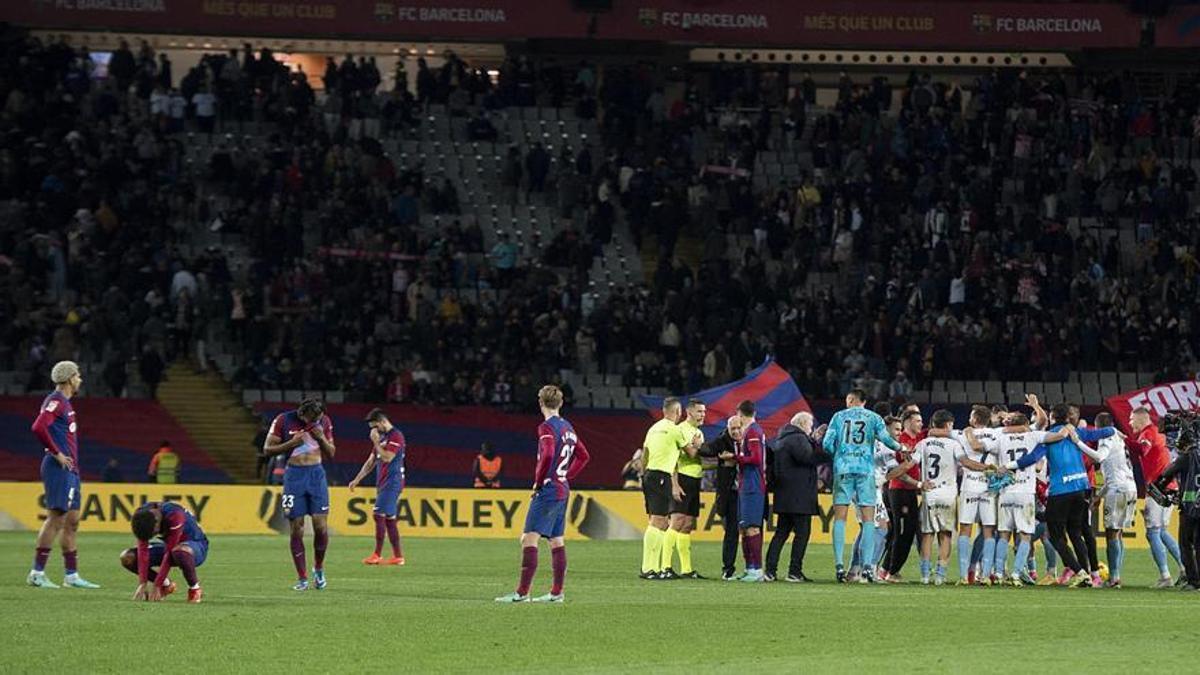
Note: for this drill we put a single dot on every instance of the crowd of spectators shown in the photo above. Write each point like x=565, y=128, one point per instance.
x=943, y=218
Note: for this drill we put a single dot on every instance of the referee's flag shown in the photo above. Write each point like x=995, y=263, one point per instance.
x=773, y=391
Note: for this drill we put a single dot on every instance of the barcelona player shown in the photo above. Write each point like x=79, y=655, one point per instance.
x=387, y=458
x=181, y=542
x=305, y=435
x=561, y=456
x=57, y=430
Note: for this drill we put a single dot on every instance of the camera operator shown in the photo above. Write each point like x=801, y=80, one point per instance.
x=1185, y=468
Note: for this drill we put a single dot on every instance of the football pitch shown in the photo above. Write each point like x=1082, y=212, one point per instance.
x=437, y=614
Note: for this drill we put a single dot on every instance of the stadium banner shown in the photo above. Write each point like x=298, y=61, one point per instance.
x=1179, y=28
x=1159, y=399
x=424, y=512
x=762, y=23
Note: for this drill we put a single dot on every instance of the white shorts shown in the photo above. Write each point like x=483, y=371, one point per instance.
x=937, y=515
x=977, y=509
x=1156, y=515
x=1017, y=514
x=1120, y=507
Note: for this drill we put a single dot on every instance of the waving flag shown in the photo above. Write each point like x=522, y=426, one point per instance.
x=773, y=391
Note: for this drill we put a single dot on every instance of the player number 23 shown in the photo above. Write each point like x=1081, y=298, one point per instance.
x=288, y=501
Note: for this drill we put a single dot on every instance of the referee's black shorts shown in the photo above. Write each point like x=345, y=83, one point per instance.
x=656, y=488
x=691, y=497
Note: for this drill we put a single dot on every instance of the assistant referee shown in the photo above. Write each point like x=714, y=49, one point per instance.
x=663, y=442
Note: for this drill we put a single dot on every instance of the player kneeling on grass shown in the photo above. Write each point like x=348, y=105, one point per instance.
x=561, y=456
x=387, y=456
x=182, y=542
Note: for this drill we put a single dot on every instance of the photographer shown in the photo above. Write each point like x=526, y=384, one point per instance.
x=1185, y=468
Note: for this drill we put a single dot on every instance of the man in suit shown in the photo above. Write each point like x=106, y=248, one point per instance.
x=727, y=492
x=797, y=456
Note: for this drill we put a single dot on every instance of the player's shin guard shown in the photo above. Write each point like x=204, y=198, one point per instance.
x=1021, y=558
x=868, y=543
x=964, y=555
x=320, y=543
x=1001, y=557
x=839, y=542
x=989, y=556
x=40, y=557
x=529, y=564
x=380, y=530
x=652, y=543
x=670, y=537
x=298, y=557
x=393, y=533
x=187, y=564
x=684, y=543
x=558, y=558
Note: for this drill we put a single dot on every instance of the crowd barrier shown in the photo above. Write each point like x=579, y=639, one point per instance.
x=424, y=512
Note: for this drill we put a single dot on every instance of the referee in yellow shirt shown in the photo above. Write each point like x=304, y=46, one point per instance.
x=685, y=492
x=663, y=442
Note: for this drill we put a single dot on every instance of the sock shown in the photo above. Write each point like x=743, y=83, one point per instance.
x=856, y=552
x=668, y=548
x=393, y=533
x=652, y=543
x=298, y=558
x=964, y=555
x=1001, y=557
x=867, y=533
x=1157, y=550
x=753, y=551
x=988, y=556
x=1120, y=557
x=1172, y=548
x=40, y=558
x=839, y=542
x=380, y=529
x=941, y=570
x=1051, y=554
x=979, y=549
x=1113, y=558
x=684, y=543
x=320, y=543
x=187, y=564
x=529, y=563
x=1031, y=562
x=1022, y=558
x=925, y=565
x=558, y=557
x=880, y=545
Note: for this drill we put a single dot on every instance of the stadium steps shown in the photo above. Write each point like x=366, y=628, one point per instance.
x=213, y=416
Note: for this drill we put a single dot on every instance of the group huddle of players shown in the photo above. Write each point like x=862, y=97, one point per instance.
x=1018, y=478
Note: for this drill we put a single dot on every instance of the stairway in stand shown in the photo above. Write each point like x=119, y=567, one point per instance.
x=214, y=417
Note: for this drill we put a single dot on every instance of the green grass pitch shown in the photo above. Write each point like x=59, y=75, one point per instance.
x=437, y=614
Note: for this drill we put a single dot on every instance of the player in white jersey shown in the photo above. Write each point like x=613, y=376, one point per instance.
x=975, y=503
x=1119, y=495
x=1018, y=501
x=885, y=469
x=939, y=457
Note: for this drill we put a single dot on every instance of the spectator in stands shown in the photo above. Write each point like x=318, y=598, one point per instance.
x=488, y=467
x=151, y=368
x=165, y=465
x=112, y=472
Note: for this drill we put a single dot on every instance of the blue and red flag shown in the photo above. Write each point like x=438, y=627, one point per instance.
x=773, y=391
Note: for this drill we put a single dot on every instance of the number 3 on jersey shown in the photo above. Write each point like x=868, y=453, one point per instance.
x=859, y=434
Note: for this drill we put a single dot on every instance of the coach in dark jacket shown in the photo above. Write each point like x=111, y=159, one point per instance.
x=727, y=492
x=797, y=456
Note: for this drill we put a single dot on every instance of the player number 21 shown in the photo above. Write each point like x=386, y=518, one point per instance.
x=567, y=450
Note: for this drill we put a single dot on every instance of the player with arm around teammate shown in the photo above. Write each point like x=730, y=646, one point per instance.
x=561, y=456
x=387, y=458
x=1119, y=494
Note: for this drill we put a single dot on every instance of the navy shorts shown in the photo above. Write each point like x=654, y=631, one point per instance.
x=547, y=516
x=199, y=551
x=62, y=487
x=387, y=500
x=751, y=508
x=305, y=491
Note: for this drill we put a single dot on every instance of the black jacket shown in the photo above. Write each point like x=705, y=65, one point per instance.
x=726, y=475
x=796, y=459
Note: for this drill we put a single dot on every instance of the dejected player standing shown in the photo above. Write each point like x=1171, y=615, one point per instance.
x=306, y=434
x=561, y=456
x=387, y=457
x=57, y=430
x=182, y=543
